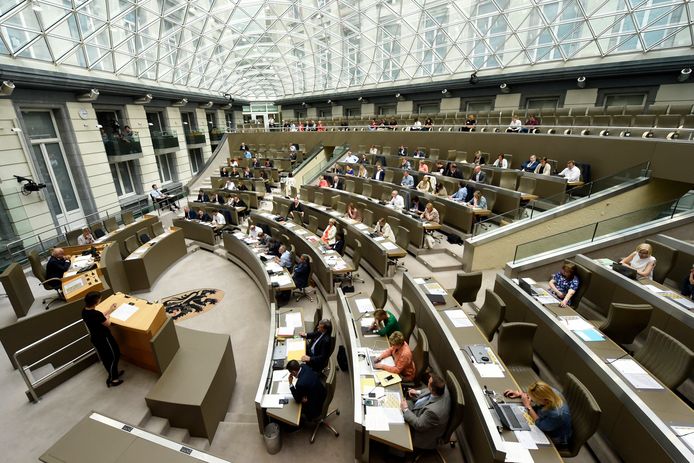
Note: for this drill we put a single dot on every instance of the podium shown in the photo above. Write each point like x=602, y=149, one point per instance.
x=77, y=286
x=133, y=334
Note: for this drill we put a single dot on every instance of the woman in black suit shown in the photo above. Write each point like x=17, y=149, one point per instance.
x=101, y=337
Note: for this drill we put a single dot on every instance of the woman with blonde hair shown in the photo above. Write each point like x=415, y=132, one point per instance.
x=641, y=260
x=402, y=357
x=363, y=173
x=548, y=410
x=424, y=185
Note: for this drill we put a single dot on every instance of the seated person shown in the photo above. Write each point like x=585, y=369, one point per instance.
x=427, y=412
x=204, y=216
x=461, y=194
x=548, y=410
x=440, y=190
x=296, y=209
x=418, y=154
x=571, y=172
x=217, y=198
x=379, y=173
x=641, y=260
x=230, y=185
x=688, y=284
x=453, y=171
x=189, y=214
x=164, y=199
x=530, y=165
x=402, y=151
x=402, y=357
x=396, y=200
x=339, y=245
x=239, y=204
x=85, y=238
x=405, y=164
x=430, y=214
x=407, y=180
x=219, y=221
x=353, y=213
x=338, y=183
x=268, y=163
x=515, y=125
x=384, y=323
x=363, y=173
x=273, y=245
x=255, y=163
x=564, y=283
x=351, y=158
x=478, y=200
x=285, y=259
x=308, y=390
x=302, y=271
x=530, y=124
x=478, y=175
x=349, y=170
x=224, y=172
x=57, y=265
x=233, y=163
x=234, y=173
x=501, y=162
x=417, y=205
x=244, y=147
x=423, y=167
x=318, y=346
x=247, y=173
x=203, y=197
x=328, y=237
x=383, y=229
x=373, y=150
x=543, y=167
x=470, y=123
x=440, y=168
x=424, y=185
x=478, y=159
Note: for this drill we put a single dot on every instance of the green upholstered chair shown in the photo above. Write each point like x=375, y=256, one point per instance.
x=668, y=359
x=585, y=415
x=491, y=315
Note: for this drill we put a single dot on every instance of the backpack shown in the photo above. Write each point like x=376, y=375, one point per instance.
x=342, y=359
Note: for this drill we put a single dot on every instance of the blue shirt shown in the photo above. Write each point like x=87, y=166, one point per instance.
x=556, y=423
x=247, y=154
x=563, y=284
x=460, y=195
x=407, y=181
x=286, y=259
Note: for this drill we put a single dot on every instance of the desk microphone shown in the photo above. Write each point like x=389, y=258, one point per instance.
x=355, y=294
x=614, y=360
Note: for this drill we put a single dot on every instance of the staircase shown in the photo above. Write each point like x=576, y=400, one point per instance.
x=161, y=426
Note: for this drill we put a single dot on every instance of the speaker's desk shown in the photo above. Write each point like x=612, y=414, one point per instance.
x=135, y=332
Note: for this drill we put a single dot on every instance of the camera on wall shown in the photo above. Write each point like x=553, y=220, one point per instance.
x=28, y=185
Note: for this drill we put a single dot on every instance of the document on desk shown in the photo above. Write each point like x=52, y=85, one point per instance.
x=124, y=312
x=459, y=318
x=547, y=299
x=516, y=453
x=389, y=246
x=281, y=280
x=272, y=401
x=435, y=288
x=489, y=370
x=285, y=331
x=634, y=373
x=393, y=415
x=526, y=439
x=419, y=281
x=283, y=388
x=680, y=299
x=388, y=361
x=654, y=289
x=294, y=345
x=366, y=322
x=379, y=238
x=364, y=305
x=539, y=437
x=376, y=419
x=279, y=375
x=686, y=433
x=293, y=319
x=591, y=335
x=575, y=323
x=361, y=226
x=274, y=267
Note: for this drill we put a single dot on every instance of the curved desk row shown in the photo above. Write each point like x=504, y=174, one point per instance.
x=325, y=265
x=636, y=422
x=375, y=251
x=251, y=199
x=256, y=185
x=126, y=231
x=202, y=232
x=144, y=265
x=415, y=226
x=446, y=343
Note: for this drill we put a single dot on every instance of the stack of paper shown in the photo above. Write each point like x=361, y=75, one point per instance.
x=272, y=401
x=686, y=433
x=364, y=305
x=459, y=318
x=379, y=238
x=517, y=453
x=361, y=226
x=489, y=370
x=281, y=280
x=389, y=246
x=293, y=319
x=419, y=281
x=273, y=267
x=366, y=321
x=435, y=288
x=376, y=419
x=634, y=373
x=393, y=415
x=285, y=331
x=124, y=312
x=582, y=328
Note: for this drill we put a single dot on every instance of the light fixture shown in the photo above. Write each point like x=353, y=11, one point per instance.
x=444, y=91
x=330, y=101
x=207, y=105
x=91, y=95
x=361, y=98
x=35, y=5
x=181, y=102
x=397, y=95
x=227, y=96
x=581, y=82
x=684, y=75
x=144, y=99
x=504, y=88
x=6, y=88
x=150, y=124
x=303, y=104
x=226, y=106
x=473, y=78
x=99, y=126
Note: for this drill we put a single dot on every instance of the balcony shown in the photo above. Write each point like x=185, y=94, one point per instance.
x=195, y=137
x=216, y=135
x=164, y=140
x=121, y=144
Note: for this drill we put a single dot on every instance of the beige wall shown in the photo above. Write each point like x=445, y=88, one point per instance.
x=204, y=127
x=174, y=121
x=148, y=165
x=312, y=113
x=405, y=107
x=581, y=97
x=675, y=93
x=507, y=101
x=338, y=111
x=368, y=109
x=450, y=105
x=288, y=114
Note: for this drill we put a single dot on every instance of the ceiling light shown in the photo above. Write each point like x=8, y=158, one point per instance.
x=504, y=88
x=91, y=95
x=684, y=75
x=397, y=95
x=144, y=99
x=181, y=102
x=361, y=98
x=6, y=88
x=444, y=91
x=303, y=104
x=473, y=78
x=581, y=82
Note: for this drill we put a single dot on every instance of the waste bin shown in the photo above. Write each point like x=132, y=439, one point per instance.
x=273, y=438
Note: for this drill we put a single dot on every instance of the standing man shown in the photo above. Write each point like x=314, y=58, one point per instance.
x=101, y=337
x=308, y=390
x=427, y=412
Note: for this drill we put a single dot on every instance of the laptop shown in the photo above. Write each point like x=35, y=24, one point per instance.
x=624, y=270
x=525, y=286
x=511, y=416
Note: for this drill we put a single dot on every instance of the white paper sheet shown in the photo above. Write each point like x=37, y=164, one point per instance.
x=285, y=331
x=379, y=238
x=388, y=361
x=459, y=319
x=376, y=392
x=575, y=323
x=547, y=299
x=273, y=267
x=653, y=289
x=634, y=373
x=539, y=437
x=124, y=312
x=283, y=388
x=393, y=415
x=420, y=281
x=293, y=319
x=361, y=226
x=281, y=280
x=376, y=419
x=272, y=401
x=366, y=321
x=364, y=305
x=389, y=246
x=686, y=433
x=435, y=288
x=295, y=344
x=530, y=281
x=489, y=370
x=279, y=375
x=525, y=438
x=516, y=453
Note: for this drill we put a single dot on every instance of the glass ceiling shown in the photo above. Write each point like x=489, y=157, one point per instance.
x=269, y=50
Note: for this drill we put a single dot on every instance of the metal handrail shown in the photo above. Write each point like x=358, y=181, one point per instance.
x=31, y=385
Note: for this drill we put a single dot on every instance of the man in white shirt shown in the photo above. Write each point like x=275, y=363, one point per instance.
x=230, y=185
x=571, y=172
x=164, y=199
x=396, y=200
x=218, y=222
x=85, y=238
x=515, y=125
x=351, y=158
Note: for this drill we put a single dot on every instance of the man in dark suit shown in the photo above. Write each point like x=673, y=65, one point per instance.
x=302, y=272
x=57, y=265
x=427, y=412
x=203, y=197
x=402, y=151
x=318, y=350
x=477, y=175
x=453, y=171
x=338, y=183
x=204, y=216
x=379, y=174
x=308, y=390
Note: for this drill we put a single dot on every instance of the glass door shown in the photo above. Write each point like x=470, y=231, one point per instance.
x=53, y=168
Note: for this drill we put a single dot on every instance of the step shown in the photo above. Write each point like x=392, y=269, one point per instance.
x=232, y=417
x=198, y=443
x=156, y=425
x=177, y=435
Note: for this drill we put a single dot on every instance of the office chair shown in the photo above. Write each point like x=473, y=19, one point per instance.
x=302, y=292
x=128, y=217
x=143, y=235
x=515, y=348
x=313, y=224
x=330, y=384
x=157, y=228
x=467, y=286
x=110, y=224
x=625, y=321
x=407, y=320
x=420, y=356
x=666, y=256
x=39, y=272
x=379, y=296
x=584, y=276
x=131, y=244
x=490, y=316
x=402, y=239
x=585, y=415
x=668, y=359
x=356, y=262
x=310, y=326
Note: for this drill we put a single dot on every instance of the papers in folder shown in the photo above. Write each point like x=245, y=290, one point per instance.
x=272, y=401
x=582, y=328
x=376, y=419
x=634, y=373
x=124, y=312
x=285, y=331
x=435, y=288
x=459, y=318
x=293, y=319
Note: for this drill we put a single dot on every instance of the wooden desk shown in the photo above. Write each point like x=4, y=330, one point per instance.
x=77, y=286
x=398, y=435
x=196, y=230
x=134, y=334
x=126, y=231
x=150, y=260
x=445, y=344
x=636, y=422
